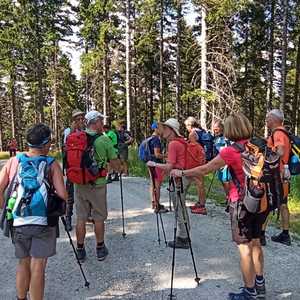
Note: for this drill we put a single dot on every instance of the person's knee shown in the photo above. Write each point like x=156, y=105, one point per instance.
x=245, y=249
x=38, y=265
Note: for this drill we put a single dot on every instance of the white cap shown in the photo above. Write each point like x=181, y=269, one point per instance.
x=173, y=124
x=277, y=113
x=92, y=115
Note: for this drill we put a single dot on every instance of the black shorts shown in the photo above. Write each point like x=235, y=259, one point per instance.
x=248, y=228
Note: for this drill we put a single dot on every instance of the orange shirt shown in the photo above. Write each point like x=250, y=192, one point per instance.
x=281, y=139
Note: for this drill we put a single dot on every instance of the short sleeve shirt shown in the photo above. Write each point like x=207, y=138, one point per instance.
x=155, y=143
x=176, y=154
x=233, y=159
x=281, y=139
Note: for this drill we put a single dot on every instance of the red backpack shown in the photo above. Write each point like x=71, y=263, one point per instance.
x=81, y=165
x=194, y=154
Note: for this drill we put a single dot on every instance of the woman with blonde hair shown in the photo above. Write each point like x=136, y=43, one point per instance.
x=246, y=233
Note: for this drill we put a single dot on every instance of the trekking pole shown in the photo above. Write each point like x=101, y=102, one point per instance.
x=210, y=185
x=184, y=212
x=152, y=175
x=86, y=283
x=122, y=204
x=169, y=190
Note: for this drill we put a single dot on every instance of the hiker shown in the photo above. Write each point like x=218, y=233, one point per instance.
x=33, y=239
x=246, y=234
x=192, y=127
x=92, y=196
x=155, y=149
x=12, y=147
x=125, y=140
x=221, y=142
x=77, y=124
x=113, y=135
x=279, y=141
x=175, y=159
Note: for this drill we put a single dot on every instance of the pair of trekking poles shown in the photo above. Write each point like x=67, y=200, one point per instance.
x=86, y=282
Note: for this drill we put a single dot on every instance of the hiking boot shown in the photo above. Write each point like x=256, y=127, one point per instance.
x=69, y=223
x=260, y=290
x=263, y=240
x=161, y=209
x=116, y=178
x=181, y=243
x=109, y=179
x=200, y=210
x=282, y=238
x=242, y=295
x=101, y=252
x=197, y=204
x=81, y=254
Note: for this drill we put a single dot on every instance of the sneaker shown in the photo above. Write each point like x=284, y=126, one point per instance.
x=116, y=178
x=69, y=223
x=81, y=254
x=197, y=204
x=181, y=243
x=282, y=238
x=242, y=295
x=260, y=290
x=161, y=209
x=101, y=252
x=263, y=240
x=200, y=210
x=109, y=180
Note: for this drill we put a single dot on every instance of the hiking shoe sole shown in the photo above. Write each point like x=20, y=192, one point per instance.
x=101, y=253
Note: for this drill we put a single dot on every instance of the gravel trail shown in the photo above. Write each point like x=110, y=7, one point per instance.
x=137, y=268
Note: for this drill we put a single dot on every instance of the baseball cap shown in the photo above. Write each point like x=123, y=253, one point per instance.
x=92, y=115
x=277, y=113
x=76, y=113
x=154, y=125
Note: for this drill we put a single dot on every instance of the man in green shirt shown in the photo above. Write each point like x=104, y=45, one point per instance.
x=92, y=197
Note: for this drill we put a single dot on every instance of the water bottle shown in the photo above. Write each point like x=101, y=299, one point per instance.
x=286, y=176
x=10, y=206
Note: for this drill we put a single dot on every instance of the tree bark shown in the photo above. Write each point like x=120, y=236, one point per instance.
x=12, y=91
x=105, y=86
x=284, y=56
x=203, y=66
x=128, y=60
x=55, y=104
x=161, y=61
x=295, y=113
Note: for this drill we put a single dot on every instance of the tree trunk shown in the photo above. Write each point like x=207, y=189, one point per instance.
x=128, y=83
x=161, y=61
x=151, y=98
x=55, y=104
x=295, y=113
x=105, y=86
x=203, y=66
x=178, y=60
x=284, y=56
x=12, y=91
x=1, y=132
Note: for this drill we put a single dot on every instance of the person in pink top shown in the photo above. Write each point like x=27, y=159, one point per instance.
x=175, y=160
x=246, y=232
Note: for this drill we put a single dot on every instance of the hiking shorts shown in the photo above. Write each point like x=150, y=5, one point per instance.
x=35, y=241
x=90, y=200
x=247, y=229
x=123, y=152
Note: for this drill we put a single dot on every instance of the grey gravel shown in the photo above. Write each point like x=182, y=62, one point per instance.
x=137, y=268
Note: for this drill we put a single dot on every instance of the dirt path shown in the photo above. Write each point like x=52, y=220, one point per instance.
x=139, y=269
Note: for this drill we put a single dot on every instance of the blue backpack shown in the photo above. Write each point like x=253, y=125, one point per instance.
x=206, y=140
x=32, y=190
x=144, y=152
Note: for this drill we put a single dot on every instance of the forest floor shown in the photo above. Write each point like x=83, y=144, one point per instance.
x=137, y=268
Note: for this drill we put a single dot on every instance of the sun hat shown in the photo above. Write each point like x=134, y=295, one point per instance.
x=173, y=124
x=76, y=113
x=92, y=115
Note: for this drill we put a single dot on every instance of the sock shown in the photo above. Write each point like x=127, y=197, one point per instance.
x=100, y=245
x=250, y=291
x=80, y=246
x=259, y=280
x=285, y=232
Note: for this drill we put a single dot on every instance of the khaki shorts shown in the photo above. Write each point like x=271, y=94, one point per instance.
x=35, y=241
x=90, y=200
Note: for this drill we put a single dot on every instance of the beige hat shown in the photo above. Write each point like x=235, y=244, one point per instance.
x=76, y=113
x=173, y=124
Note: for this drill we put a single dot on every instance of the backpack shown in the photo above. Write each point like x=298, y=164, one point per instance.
x=82, y=168
x=261, y=166
x=32, y=188
x=144, y=152
x=294, y=157
x=194, y=154
x=206, y=140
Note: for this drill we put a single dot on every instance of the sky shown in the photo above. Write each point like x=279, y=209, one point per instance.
x=74, y=54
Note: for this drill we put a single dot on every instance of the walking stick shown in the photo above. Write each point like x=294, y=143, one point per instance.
x=86, y=283
x=152, y=175
x=210, y=185
x=122, y=204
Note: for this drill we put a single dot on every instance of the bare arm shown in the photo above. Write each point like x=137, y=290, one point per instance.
x=58, y=181
x=3, y=184
x=157, y=153
x=116, y=165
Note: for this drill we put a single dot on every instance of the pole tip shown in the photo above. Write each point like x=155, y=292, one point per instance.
x=197, y=279
x=172, y=297
x=123, y=234
x=87, y=284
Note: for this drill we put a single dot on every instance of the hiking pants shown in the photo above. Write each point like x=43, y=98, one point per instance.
x=70, y=201
x=180, y=206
